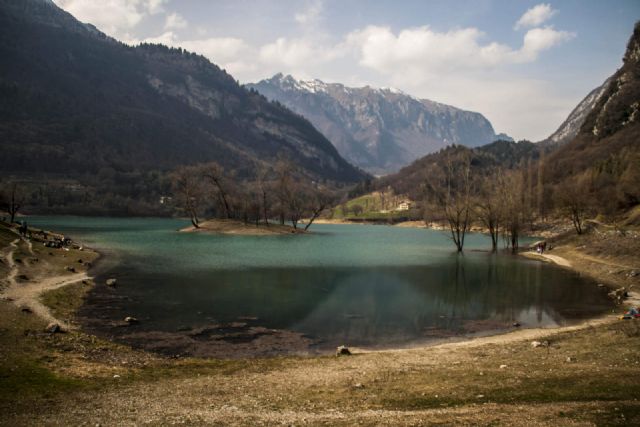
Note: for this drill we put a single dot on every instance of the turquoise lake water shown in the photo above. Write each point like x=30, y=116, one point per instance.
x=364, y=285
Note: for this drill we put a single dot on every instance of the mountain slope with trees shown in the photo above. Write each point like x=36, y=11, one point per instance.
x=86, y=120
x=602, y=163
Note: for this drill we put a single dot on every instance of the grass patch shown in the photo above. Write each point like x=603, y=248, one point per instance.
x=28, y=380
x=65, y=301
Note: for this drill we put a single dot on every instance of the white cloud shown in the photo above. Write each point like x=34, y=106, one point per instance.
x=174, y=21
x=311, y=14
x=298, y=53
x=540, y=39
x=423, y=53
x=114, y=17
x=220, y=50
x=535, y=16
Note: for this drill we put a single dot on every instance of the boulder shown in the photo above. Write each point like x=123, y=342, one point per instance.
x=503, y=366
x=130, y=320
x=71, y=269
x=111, y=282
x=342, y=351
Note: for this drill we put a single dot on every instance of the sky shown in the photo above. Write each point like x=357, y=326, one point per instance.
x=523, y=64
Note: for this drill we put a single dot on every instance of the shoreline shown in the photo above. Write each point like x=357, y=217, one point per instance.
x=31, y=298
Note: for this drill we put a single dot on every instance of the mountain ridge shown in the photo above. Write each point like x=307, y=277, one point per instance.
x=378, y=129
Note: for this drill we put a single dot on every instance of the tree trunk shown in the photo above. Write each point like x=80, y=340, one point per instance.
x=315, y=215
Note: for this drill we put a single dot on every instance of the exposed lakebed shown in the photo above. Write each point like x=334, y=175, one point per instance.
x=359, y=285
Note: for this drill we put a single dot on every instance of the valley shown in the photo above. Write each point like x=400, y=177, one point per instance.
x=186, y=240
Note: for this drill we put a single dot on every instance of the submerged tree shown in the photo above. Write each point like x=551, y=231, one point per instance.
x=513, y=212
x=489, y=206
x=449, y=192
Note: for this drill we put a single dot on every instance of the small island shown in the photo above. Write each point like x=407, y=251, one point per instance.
x=238, y=227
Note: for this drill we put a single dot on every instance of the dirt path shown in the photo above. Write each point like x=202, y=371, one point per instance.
x=600, y=261
x=28, y=294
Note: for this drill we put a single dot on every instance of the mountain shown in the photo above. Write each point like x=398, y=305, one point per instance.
x=570, y=127
x=379, y=130
x=75, y=103
x=605, y=150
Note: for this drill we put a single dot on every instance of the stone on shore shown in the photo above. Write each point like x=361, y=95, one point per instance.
x=342, y=351
x=111, y=282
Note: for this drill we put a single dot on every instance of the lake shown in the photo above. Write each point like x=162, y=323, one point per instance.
x=369, y=286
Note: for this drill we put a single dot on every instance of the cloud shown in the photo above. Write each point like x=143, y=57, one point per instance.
x=298, y=52
x=311, y=14
x=220, y=50
x=535, y=16
x=174, y=21
x=114, y=17
x=540, y=39
x=423, y=53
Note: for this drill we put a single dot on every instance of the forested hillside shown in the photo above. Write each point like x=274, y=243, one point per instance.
x=88, y=121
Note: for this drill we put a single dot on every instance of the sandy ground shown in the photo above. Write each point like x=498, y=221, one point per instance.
x=553, y=258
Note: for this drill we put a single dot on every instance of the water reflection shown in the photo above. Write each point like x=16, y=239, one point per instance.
x=372, y=306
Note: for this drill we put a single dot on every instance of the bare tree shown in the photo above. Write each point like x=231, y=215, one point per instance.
x=540, y=184
x=214, y=173
x=488, y=207
x=264, y=188
x=319, y=203
x=285, y=192
x=187, y=186
x=572, y=198
x=450, y=193
x=13, y=202
x=512, y=190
